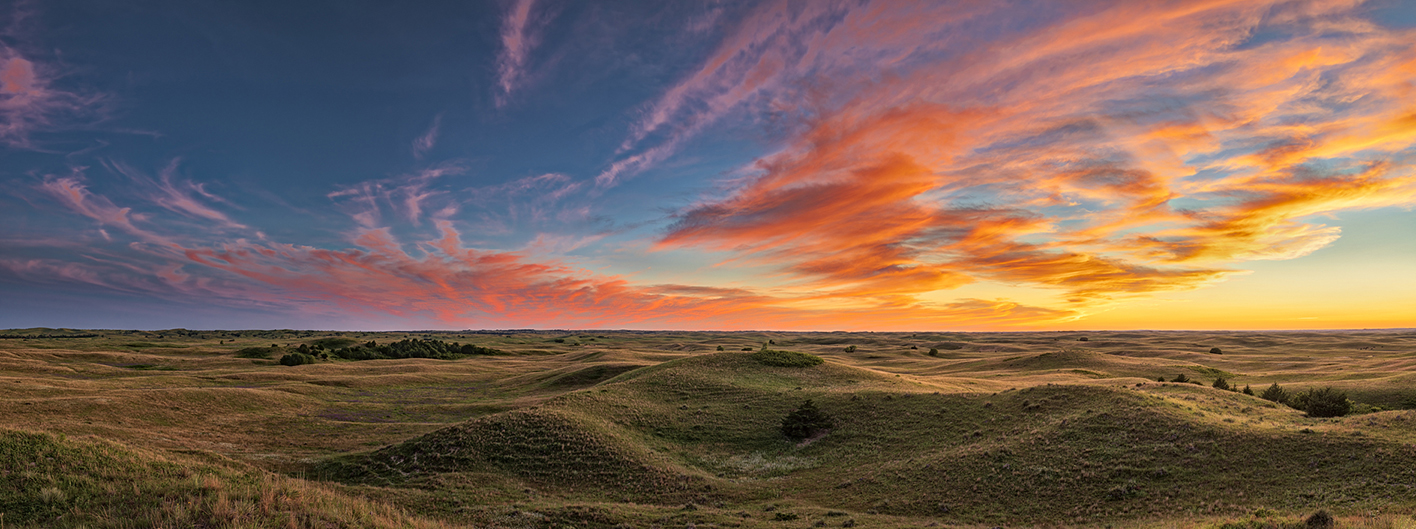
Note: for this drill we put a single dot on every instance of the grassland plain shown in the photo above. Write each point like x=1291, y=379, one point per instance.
x=172, y=428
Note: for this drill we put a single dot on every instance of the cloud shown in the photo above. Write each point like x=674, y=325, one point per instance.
x=519, y=36
x=441, y=282
x=29, y=102
x=405, y=195
x=1120, y=150
x=185, y=197
x=425, y=143
x=457, y=287
x=73, y=193
x=1101, y=151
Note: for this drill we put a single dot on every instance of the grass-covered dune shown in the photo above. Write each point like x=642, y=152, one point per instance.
x=616, y=429
x=54, y=481
x=704, y=427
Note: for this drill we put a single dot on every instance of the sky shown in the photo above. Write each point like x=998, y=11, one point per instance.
x=827, y=165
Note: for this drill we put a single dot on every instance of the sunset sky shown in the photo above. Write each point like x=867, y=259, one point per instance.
x=817, y=165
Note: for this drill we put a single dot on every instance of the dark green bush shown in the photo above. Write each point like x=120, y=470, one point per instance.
x=1221, y=383
x=1216, y=351
x=1320, y=520
x=1160, y=379
x=786, y=358
x=720, y=348
x=933, y=352
x=1275, y=393
x=805, y=422
x=1248, y=390
x=851, y=349
x=1326, y=402
x=295, y=359
x=1181, y=378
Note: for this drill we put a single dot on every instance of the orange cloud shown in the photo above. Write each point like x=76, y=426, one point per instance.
x=1056, y=157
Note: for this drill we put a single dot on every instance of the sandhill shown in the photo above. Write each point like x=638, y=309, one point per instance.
x=644, y=429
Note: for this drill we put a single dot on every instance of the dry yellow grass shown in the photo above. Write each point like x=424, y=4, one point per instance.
x=184, y=393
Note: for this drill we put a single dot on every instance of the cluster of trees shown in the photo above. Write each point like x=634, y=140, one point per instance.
x=419, y=348
x=371, y=350
x=1325, y=402
x=45, y=336
x=295, y=359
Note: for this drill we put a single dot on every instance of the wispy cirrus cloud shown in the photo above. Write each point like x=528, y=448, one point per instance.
x=407, y=195
x=184, y=197
x=519, y=36
x=30, y=103
x=72, y=192
x=423, y=144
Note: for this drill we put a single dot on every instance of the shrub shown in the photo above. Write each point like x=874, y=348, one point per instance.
x=1216, y=351
x=295, y=359
x=1082, y=339
x=851, y=349
x=1181, y=378
x=1326, y=402
x=1160, y=379
x=1221, y=383
x=720, y=348
x=1275, y=393
x=805, y=421
x=786, y=358
x=1362, y=408
x=1248, y=390
x=1320, y=520
x=255, y=352
x=933, y=352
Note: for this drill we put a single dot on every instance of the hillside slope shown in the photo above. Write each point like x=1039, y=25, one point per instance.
x=704, y=429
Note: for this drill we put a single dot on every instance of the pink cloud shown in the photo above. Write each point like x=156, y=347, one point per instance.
x=405, y=195
x=71, y=192
x=180, y=197
x=519, y=36
x=29, y=102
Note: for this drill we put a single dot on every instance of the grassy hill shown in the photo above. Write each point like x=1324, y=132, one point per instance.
x=55, y=481
x=646, y=429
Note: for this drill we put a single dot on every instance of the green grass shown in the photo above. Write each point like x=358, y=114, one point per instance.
x=773, y=358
